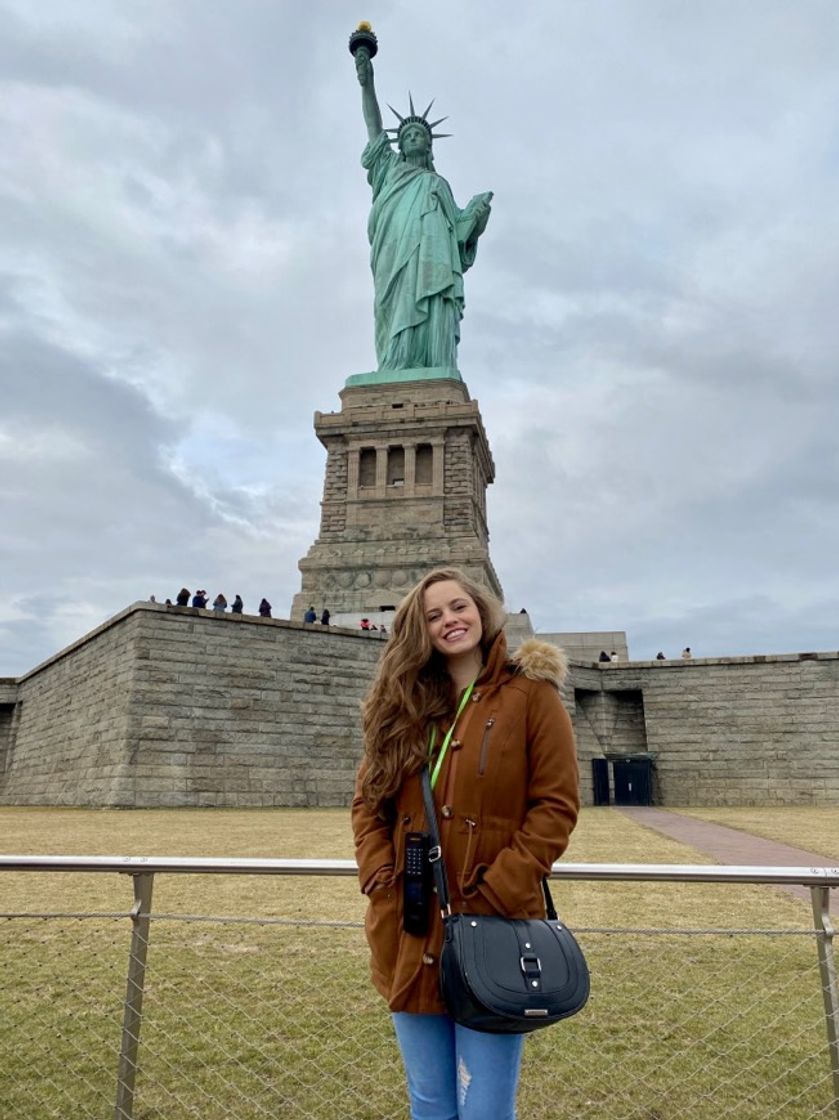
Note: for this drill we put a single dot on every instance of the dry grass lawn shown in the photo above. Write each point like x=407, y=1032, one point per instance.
x=603, y=835
x=252, y=1020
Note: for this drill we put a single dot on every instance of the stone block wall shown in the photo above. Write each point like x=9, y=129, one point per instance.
x=741, y=730
x=179, y=707
x=71, y=721
x=8, y=716
x=333, y=508
x=583, y=697
x=587, y=645
x=460, y=463
x=626, y=730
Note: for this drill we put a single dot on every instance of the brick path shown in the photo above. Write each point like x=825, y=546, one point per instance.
x=729, y=845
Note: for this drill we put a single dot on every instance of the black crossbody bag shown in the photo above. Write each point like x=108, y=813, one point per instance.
x=504, y=975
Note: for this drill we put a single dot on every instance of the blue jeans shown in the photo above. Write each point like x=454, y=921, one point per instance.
x=458, y=1074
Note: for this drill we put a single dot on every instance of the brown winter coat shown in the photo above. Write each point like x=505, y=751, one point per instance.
x=507, y=802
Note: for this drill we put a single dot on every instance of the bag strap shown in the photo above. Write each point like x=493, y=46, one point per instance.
x=438, y=865
x=550, y=909
x=435, y=854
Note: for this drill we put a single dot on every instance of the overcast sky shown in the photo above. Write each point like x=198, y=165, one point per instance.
x=652, y=324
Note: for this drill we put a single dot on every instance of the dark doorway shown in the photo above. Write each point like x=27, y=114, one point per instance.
x=600, y=780
x=633, y=781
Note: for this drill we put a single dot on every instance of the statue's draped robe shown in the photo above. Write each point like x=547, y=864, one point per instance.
x=420, y=246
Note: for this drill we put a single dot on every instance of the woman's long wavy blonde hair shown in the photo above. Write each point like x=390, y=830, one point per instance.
x=412, y=688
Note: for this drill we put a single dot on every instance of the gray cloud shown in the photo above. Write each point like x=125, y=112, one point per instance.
x=650, y=325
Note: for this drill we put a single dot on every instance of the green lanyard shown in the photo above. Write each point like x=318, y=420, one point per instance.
x=432, y=738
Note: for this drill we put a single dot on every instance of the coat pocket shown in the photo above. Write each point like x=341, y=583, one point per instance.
x=382, y=927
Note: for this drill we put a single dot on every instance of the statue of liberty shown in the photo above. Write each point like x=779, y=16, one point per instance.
x=421, y=243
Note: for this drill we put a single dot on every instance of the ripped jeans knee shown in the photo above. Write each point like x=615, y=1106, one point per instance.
x=457, y=1074
x=464, y=1080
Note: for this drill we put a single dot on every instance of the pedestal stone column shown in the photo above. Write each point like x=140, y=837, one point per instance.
x=382, y=530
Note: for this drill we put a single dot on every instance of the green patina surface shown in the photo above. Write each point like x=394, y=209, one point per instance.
x=388, y=376
x=421, y=241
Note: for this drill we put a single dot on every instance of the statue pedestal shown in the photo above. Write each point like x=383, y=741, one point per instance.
x=408, y=464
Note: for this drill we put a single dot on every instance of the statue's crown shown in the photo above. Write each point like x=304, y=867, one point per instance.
x=417, y=118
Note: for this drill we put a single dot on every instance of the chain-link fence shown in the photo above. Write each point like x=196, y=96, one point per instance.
x=147, y=1016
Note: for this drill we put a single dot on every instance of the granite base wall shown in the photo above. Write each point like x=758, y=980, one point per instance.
x=8, y=715
x=739, y=731
x=178, y=707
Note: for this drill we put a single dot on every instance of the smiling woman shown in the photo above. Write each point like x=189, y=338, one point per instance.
x=455, y=629
x=504, y=775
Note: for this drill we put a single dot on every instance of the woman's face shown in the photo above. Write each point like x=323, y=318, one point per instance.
x=452, y=617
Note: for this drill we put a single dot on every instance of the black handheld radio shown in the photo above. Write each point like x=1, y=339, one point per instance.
x=417, y=883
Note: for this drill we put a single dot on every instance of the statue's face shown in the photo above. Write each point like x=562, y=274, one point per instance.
x=414, y=140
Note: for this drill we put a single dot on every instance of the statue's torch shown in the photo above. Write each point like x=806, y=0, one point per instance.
x=363, y=39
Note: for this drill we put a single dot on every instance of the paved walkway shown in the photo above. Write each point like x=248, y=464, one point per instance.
x=729, y=845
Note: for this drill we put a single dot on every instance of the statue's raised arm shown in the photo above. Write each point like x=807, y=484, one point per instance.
x=421, y=242
x=369, y=102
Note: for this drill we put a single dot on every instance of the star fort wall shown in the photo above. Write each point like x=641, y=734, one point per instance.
x=179, y=707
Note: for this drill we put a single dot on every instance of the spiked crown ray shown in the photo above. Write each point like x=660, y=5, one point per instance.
x=417, y=118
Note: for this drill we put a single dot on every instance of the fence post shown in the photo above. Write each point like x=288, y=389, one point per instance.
x=820, y=897
x=132, y=1016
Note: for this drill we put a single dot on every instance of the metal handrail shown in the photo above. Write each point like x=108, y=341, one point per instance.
x=142, y=870
x=616, y=872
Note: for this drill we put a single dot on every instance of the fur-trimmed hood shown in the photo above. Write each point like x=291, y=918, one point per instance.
x=540, y=661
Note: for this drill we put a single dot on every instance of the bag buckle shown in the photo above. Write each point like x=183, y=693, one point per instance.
x=531, y=966
x=434, y=853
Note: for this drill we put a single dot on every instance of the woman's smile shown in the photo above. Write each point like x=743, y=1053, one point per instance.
x=453, y=620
